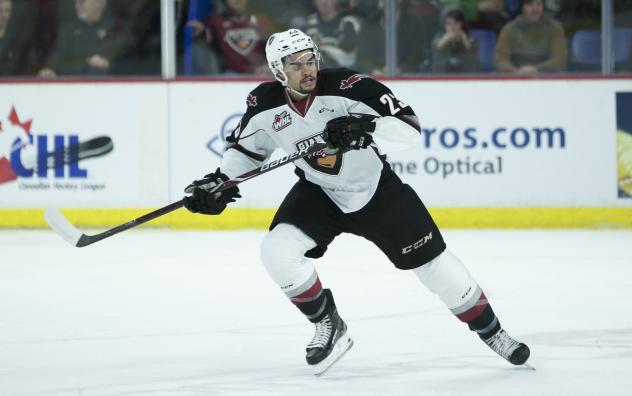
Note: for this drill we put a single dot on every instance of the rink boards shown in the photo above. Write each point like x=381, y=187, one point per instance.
x=496, y=153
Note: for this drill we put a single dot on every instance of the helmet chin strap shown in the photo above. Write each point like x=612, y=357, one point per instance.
x=303, y=95
x=287, y=86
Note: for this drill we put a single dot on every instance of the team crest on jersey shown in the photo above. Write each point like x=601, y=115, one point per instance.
x=242, y=40
x=281, y=121
x=328, y=164
x=251, y=100
x=348, y=82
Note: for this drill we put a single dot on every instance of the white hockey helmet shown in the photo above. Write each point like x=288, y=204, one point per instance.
x=286, y=43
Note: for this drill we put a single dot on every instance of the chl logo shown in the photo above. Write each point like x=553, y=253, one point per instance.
x=281, y=121
x=425, y=239
x=25, y=155
x=348, y=83
x=251, y=100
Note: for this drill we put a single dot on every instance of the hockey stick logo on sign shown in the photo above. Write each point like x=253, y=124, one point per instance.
x=25, y=156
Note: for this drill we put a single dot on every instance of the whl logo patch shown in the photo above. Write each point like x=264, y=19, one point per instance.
x=281, y=121
x=348, y=83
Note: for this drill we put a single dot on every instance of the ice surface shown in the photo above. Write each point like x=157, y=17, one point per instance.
x=173, y=313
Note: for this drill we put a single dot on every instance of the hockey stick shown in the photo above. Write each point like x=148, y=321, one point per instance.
x=71, y=234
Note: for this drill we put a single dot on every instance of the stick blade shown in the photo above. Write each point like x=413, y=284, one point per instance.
x=62, y=226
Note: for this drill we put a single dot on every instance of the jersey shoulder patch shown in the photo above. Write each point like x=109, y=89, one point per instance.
x=348, y=83
x=266, y=96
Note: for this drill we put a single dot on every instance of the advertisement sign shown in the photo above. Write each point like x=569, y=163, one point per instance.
x=511, y=143
x=624, y=144
x=74, y=145
x=485, y=143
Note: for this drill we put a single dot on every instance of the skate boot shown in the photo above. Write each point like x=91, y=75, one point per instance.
x=513, y=351
x=330, y=342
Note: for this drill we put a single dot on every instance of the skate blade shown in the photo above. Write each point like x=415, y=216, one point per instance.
x=342, y=346
x=527, y=366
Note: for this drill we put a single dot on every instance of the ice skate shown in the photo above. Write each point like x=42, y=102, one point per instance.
x=513, y=351
x=330, y=342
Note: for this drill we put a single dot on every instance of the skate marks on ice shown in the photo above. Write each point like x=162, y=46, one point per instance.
x=390, y=374
x=241, y=370
x=605, y=338
x=110, y=321
x=609, y=345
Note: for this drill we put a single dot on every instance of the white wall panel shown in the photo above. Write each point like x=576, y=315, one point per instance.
x=134, y=116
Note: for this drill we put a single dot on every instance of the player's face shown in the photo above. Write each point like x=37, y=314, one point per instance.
x=301, y=69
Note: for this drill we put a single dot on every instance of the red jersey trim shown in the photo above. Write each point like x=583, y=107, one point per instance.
x=301, y=108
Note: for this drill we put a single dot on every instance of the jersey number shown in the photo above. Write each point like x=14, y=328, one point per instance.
x=390, y=100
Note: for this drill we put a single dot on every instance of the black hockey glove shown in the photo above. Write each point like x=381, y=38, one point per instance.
x=348, y=133
x=202, y=201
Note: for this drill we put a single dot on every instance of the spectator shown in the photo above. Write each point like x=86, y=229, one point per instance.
x=283, y=14
x=5, y=15
x=142, y=17
x=336, y=33
x=195, y=52
x=16, y=31
x=414, y=40
x=238, y=38
x=42, y=15
x=90, y=44
x=479, y=14
x=8, y=57
x=454, y=51
x=531, y=43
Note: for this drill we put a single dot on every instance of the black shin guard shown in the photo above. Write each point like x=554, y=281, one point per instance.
x=486, y=324
x=316, y=309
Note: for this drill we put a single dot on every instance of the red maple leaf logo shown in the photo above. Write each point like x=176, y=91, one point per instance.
x=251, y=100
x=10, y=131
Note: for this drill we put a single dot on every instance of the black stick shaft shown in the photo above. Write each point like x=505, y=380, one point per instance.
x=90, y=239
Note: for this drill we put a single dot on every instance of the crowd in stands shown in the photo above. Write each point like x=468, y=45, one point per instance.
x=51, y=38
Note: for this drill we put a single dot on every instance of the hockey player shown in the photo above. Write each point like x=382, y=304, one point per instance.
x=348, y=188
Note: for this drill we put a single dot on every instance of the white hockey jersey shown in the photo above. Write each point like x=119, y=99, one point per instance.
x=272, y=120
